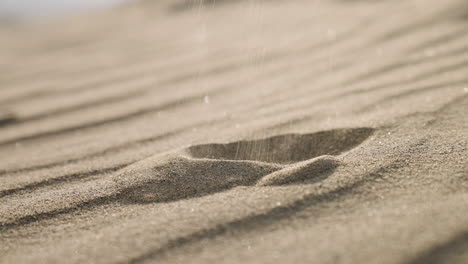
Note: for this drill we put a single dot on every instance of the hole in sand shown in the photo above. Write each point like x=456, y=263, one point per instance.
x=205, y=169
x=285, y=149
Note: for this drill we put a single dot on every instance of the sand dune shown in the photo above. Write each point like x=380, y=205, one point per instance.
x=237, y=131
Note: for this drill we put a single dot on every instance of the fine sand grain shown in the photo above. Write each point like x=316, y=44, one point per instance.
x=237, y=132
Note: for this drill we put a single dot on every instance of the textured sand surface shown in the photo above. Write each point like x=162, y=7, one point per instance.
x=237, y=132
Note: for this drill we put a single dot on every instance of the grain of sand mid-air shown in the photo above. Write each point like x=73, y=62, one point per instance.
x=237, y=132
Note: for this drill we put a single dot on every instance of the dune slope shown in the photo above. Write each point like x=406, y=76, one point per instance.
x=237, y=131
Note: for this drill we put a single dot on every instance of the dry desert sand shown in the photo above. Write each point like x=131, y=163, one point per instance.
x=237, y=132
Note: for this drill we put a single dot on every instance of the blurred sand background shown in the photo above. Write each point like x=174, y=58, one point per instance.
x=248, y=131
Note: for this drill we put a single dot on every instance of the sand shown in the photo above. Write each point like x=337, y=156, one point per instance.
x=237, y=132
